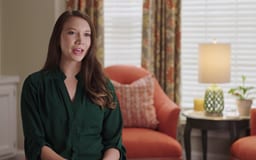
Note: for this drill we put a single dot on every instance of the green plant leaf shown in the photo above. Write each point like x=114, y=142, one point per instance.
x=242, y=91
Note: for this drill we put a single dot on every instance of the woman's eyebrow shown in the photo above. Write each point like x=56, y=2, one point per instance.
x=71, y=28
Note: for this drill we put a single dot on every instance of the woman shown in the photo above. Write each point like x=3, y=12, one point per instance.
x=69, y=108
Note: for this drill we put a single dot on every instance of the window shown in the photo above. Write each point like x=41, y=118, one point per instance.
x=229, y=21
x=123, y=26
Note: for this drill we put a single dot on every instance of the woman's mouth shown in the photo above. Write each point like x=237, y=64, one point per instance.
x=77, y=51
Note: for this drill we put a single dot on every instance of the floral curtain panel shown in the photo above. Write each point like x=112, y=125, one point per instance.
x=94, y=8
x=161, y=43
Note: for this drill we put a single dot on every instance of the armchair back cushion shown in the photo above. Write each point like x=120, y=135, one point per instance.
x=136, y=102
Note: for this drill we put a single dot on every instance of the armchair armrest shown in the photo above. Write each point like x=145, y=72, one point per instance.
x=167, y=112
x=253, y=121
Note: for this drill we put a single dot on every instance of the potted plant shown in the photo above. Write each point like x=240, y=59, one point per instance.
x=244, y=95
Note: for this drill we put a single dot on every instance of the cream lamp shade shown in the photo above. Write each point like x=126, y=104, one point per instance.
x=214, y=67
x=214, y=63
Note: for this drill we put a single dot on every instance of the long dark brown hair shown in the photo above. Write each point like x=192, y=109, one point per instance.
x=94, y=81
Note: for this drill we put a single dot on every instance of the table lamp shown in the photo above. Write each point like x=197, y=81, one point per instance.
x=214, y=67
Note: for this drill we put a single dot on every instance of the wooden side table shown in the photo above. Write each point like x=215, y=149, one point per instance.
x=198, y=120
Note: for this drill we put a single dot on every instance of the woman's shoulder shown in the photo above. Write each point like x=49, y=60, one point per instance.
x=44, y=75
x=33, y=77
x=33, y=81
x=38, y=77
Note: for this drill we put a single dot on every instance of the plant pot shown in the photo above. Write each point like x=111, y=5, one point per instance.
x=244, y=107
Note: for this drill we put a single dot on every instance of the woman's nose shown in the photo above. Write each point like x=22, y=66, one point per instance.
x=79, y=39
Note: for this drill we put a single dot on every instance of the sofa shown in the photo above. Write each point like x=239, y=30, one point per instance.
x=145, y=143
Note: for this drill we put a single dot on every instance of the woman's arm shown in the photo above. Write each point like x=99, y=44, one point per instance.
x=48, y=154
x=31, y=122
x=36, y=147
x=111, y=154
x=112, y=131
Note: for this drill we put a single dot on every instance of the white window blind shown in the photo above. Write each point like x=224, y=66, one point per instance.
x=122, y=28
x=228, y=21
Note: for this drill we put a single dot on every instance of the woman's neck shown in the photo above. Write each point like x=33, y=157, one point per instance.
x=70, y=69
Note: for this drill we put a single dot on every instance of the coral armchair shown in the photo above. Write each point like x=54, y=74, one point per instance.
x=144, y=143
x=244, y=148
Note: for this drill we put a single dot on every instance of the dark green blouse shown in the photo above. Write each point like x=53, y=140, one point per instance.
x=77, y=130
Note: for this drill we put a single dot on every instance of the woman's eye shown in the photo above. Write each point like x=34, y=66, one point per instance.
x=87, y=34
x=71, y=32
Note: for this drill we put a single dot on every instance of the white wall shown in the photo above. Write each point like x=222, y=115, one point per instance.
x=26, y=28
x=0, y=33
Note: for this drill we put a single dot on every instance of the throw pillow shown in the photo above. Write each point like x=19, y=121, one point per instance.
x=136, y=102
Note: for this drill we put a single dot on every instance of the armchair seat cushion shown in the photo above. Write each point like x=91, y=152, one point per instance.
x=144, y=143
x=244, y=148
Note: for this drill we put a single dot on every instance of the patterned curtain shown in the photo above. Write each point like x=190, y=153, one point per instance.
x=94, y=8
x=161, y=43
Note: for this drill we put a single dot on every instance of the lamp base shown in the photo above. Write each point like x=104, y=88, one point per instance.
x=209, y=114
x=214, y=101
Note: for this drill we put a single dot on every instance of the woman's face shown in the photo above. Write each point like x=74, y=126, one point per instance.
x=75, y=40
